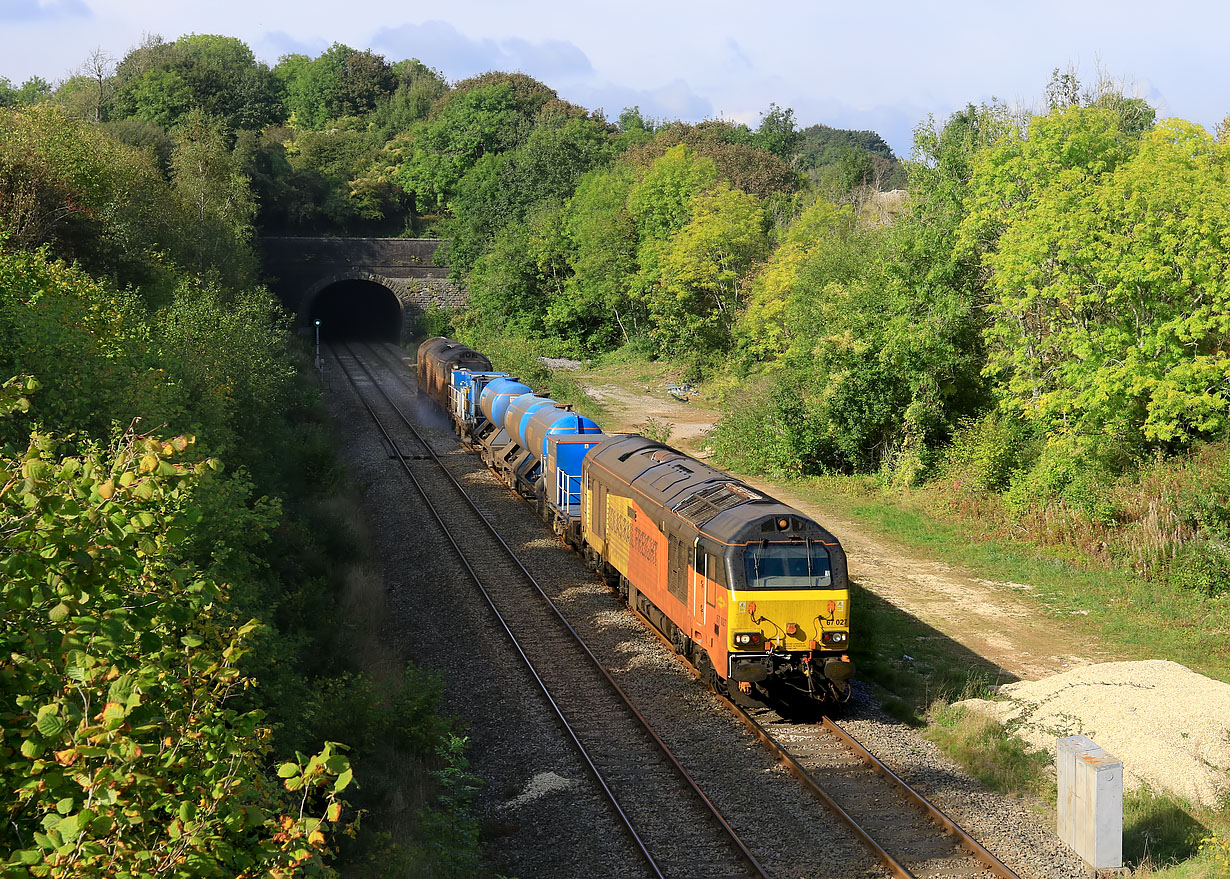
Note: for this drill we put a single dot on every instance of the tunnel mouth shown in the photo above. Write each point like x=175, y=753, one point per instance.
x=357, y=309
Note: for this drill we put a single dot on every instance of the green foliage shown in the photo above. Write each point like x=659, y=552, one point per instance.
x=596, y=307
x=85, y=342
x=1112, y=310
x=313, y=181
x=502, y=189
x=987, y=453
x=433, y=322
x=67, y=184
x=821, y=244
x=470, y=123
x=124, y=751
x=883, y=372
x=702, y=269
x=660, y=201
x=211, y=186
x=988, y=751
x=340, y=82
x=512, y=284
x=1204, y=567
x=214, y=75
x=768, y=428
x=839, y=160
x=733, y=150
x=230, y=356
x=777, y=133
x=34, y=90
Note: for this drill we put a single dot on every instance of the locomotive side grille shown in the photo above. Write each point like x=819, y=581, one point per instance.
x=704, y=505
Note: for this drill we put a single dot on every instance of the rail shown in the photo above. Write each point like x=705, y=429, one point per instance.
x=403, y=459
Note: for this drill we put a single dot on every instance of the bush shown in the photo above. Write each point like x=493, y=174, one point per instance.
x=126, y=682
x=435, y=321
x=768, y=428
x=1203, y=566
x=987, y=452
x=1073, y=472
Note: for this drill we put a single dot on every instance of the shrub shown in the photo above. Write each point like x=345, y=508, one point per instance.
x=1203, y=566
x=770, y=429
x=987, y=452
x=435, y=321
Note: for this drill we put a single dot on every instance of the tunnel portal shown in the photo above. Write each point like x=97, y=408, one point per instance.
x=357, y=309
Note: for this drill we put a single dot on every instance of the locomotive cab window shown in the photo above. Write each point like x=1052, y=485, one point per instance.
x=787, y=566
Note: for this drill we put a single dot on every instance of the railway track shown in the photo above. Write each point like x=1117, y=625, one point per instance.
x=678, y=831
x=908, y=836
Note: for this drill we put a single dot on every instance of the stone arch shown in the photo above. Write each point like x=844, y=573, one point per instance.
x=406, y=307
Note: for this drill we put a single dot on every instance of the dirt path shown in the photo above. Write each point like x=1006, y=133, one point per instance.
x=995, y=620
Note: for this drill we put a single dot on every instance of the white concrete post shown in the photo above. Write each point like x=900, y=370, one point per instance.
x=1090, y=813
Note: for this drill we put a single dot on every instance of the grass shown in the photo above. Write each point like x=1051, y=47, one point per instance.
x=1125, y=613
x=984, y=747
x=907, y=662
x=1163, y=836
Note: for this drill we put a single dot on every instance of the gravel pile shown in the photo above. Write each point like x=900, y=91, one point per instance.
x=1169, y=725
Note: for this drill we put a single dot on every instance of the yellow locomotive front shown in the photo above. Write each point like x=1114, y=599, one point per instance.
x=789, y=623
x=754, y=593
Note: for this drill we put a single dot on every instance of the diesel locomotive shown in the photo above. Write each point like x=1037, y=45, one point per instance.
x=749, y=590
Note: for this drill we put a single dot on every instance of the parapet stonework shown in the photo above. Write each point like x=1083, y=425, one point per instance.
x=299, y=268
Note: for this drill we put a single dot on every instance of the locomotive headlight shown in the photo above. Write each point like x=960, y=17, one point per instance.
x=747, y=640
x=837, y=639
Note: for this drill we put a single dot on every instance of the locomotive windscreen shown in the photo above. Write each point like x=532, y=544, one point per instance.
x=787, y=566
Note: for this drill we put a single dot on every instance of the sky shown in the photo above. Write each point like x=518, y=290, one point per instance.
x=881, y=66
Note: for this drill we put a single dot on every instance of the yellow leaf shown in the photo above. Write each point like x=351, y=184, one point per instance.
x=149, y=464
x=316, y=838
x=106, y=490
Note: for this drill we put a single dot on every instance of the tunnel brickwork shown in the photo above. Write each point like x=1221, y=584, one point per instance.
x=310, y=274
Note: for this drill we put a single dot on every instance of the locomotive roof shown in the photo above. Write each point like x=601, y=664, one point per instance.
x=723, y=507
x=442, y=349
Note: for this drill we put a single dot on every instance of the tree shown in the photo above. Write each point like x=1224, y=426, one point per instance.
x=469, y=124
x=98, y=69
x=1112, y=308
x=733, y=150
x=702, y=269
x=208, y=179
x=33, y=91
x=597, y=307
x=503, y=188
x=777, y=133
x=341, y=82
x=162, y=82
x=67, y=184
x=768, y=326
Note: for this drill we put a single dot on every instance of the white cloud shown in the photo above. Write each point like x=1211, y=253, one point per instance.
x=438, y=44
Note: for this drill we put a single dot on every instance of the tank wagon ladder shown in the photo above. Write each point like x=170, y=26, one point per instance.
x=726, y=831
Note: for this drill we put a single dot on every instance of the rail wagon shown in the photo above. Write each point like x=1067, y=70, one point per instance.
x=754, y=593
x=436, y=360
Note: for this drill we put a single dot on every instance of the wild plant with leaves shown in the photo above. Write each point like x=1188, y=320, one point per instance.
x=126, y=748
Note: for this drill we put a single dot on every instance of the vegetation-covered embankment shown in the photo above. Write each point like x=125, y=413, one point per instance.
x=177, y=698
